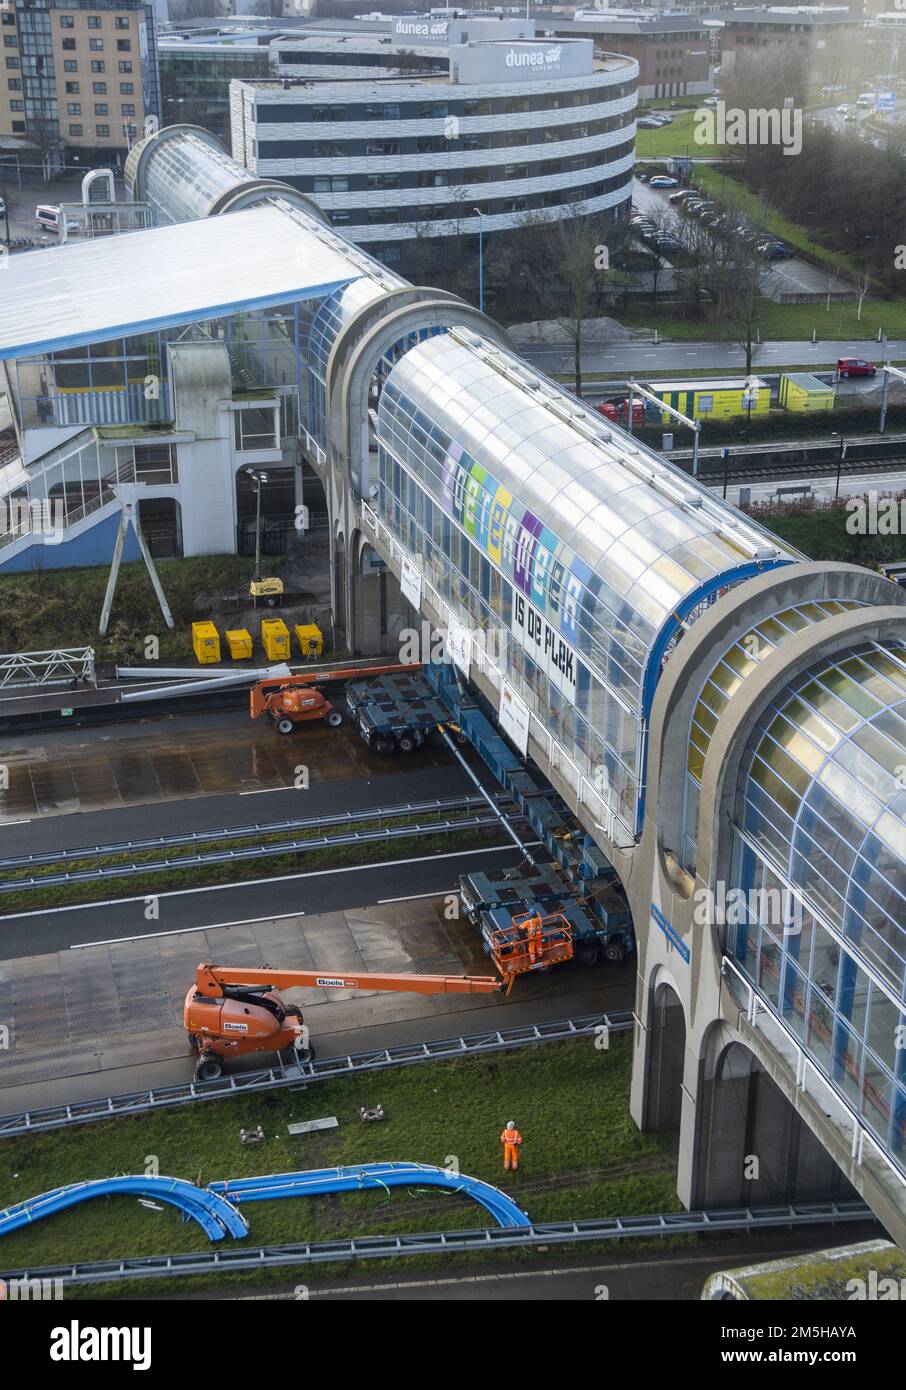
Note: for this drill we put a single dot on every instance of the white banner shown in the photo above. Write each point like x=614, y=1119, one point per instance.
x=459, y=644
x=411, y=583
x=545, y=646
x=514, y=717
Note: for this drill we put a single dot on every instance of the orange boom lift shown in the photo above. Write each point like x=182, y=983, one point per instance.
x=233, y=1012
x=292, y=700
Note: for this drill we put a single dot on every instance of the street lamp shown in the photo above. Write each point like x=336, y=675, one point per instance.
x=257, y=480
x=840, y=457
x=480, y=261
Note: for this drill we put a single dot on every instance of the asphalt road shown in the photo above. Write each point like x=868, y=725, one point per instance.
x=644, y=360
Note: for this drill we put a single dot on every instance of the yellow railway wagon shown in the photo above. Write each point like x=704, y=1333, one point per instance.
x=800, y=391
x=717, y=399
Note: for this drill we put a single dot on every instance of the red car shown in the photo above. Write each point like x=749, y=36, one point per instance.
x=855, y=366
x=619, y=412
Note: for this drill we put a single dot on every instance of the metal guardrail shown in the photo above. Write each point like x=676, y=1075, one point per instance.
x=450, y=1242
x=293, y=1074
x=48, y=667
x=295, y=843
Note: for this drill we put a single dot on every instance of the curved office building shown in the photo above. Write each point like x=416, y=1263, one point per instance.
x=516, y=128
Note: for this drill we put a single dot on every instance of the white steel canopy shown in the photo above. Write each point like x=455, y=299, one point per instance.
x=141, y=281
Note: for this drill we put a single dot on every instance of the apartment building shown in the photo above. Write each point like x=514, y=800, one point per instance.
x=78, y=77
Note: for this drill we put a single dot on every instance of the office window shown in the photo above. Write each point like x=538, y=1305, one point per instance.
x=124, y=67
x=99, y=89
x=70, y=65
x=128, y=108
x=12, y=63
x=8, y=18
x=103, y=132
x=69, y=43
x=383, y=181
x=67, y=21
x=122, y=21
x=127, y=89
x=18, y=127
x=96, y=45
x=97, y=65
x=123, y=45
x=94, y=21
x=10, y=41
x=14, y=84
x=72, y=89
x=75, y=130
x=74, y=109
x=17, y=106
x=100, y=108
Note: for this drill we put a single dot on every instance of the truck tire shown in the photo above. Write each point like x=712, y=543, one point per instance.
x=587, y=954
x=384, y=744
x=334, y=719
x=407, y=743
x=208, y=1068
x=613, y=952
x=285, y=726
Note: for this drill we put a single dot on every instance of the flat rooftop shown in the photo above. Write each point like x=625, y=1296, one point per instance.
x=93, y=291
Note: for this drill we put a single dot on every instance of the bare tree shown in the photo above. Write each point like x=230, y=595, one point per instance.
x=863, y=285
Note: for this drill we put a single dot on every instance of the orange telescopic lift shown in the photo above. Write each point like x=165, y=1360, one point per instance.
x=233, y=1012
x=292, y=700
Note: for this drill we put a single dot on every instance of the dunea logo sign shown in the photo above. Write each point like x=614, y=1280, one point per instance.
x=534, y=58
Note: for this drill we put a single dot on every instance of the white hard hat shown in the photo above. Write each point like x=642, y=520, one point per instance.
x=511, y=1124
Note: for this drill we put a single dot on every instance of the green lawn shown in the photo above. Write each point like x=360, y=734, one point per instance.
x=48, y=608
x=582, y=1155
x=783, y=322
x=821, y=534
x=678, y=138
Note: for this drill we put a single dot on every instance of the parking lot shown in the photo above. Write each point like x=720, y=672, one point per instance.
x=793, y=276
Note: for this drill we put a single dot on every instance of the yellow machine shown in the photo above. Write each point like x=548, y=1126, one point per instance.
x=270, y=591
x=205, y=643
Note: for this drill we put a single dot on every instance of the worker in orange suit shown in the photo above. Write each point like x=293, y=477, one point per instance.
x=511, y=1139
x=533, y=930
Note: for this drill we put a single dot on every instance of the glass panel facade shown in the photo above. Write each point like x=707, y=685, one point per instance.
x=822, y=814
x=471, y=459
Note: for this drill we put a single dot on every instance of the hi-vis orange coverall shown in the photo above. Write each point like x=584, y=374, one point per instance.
x=511, y=1139
x=535, y=940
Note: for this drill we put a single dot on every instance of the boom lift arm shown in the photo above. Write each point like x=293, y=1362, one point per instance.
x=235, y=1012
x=215, y=981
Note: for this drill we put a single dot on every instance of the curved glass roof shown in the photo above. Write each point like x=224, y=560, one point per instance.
x=740, y=660
x=628, y=546
x=822, y=795
x=185, y=174
x=339, y=308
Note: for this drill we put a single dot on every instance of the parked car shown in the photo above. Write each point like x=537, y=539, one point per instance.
x=663, y=181
x=618, y=411
x=647, y=123
x=682, y=196
x=711, y=101
x=855, y=366
x=842, y=108
x=642, y=178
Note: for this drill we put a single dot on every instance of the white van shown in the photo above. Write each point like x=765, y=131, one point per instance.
x=866, y=99
x=48, y=218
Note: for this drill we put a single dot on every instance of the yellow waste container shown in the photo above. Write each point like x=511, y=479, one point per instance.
x=239, y=642
x=310, y=639
x=275, y=639
x=205, y=643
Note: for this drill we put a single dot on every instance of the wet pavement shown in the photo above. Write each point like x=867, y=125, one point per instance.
x=57, y=773
x=108, y=1018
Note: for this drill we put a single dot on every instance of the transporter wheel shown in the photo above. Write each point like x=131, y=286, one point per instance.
x=209, y=1068
x=613, y=952
x=407, y=743
x=334, y=719
x=285, y=726
x=587, y=954
x=384, y=744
